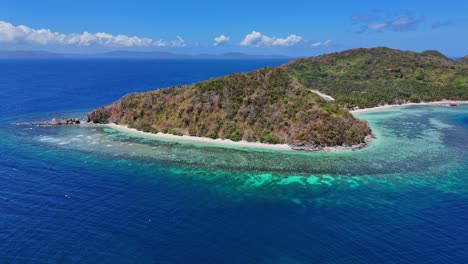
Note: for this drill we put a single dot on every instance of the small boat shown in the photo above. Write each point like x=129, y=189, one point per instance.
x=453, y=105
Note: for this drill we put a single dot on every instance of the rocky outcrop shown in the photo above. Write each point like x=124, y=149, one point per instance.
x=60, y=122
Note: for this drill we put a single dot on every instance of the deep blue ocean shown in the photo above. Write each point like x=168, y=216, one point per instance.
x=94, y=195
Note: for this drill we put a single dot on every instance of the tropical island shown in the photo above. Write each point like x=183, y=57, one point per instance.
x=304, y=103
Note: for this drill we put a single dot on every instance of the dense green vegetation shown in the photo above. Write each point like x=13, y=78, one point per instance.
x=266, y=105
x=371, y=77
x=275, y=105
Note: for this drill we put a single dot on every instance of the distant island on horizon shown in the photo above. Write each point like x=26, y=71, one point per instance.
x=304, y=103
x=130, y=54
x=126, y=54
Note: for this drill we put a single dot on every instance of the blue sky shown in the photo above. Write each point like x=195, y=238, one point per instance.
x=291, y=27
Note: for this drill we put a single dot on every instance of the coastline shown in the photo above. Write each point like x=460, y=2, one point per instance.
x=258, y=145
x=228, y=142
x=443, y=102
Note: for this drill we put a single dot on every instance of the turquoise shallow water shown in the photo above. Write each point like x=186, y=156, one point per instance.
x=410, y=141
x=401, y=198
x=95, y=195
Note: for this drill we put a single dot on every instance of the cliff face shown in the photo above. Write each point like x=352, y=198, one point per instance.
x=266, y=105
x=371, y=77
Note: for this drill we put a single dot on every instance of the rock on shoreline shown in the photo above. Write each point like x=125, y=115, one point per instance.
x=368, y=138
x=60, y=122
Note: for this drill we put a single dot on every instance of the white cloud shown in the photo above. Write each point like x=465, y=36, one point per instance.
x=257, y=39
x=178, y=42
x=160, y=43
x=321, y=44
x=377, y=26
x=407, y=22
x=398, y=24
x=220, y=40
x=10, y=34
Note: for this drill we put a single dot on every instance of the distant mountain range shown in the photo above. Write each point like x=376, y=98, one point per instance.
x=124, y=54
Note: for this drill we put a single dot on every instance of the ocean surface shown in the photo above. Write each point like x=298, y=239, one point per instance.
x=94, y=195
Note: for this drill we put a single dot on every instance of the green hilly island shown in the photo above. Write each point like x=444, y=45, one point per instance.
x=370, y=77
x=276, y=105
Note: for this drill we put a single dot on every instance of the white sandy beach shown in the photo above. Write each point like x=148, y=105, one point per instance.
x=228, y=142
x=223, y=142
x=443, y=102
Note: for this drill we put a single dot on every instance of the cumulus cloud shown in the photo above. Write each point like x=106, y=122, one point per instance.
x=257, y=39
x=11, y=34
x=160, y=43
x=321, y=44
x=178, y=42
x=379, y=21
x=220, y=40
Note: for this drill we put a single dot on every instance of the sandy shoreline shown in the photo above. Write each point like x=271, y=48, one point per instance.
x=219, y=141
x=443, y=102
x=259, y=145
x=228, y=142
